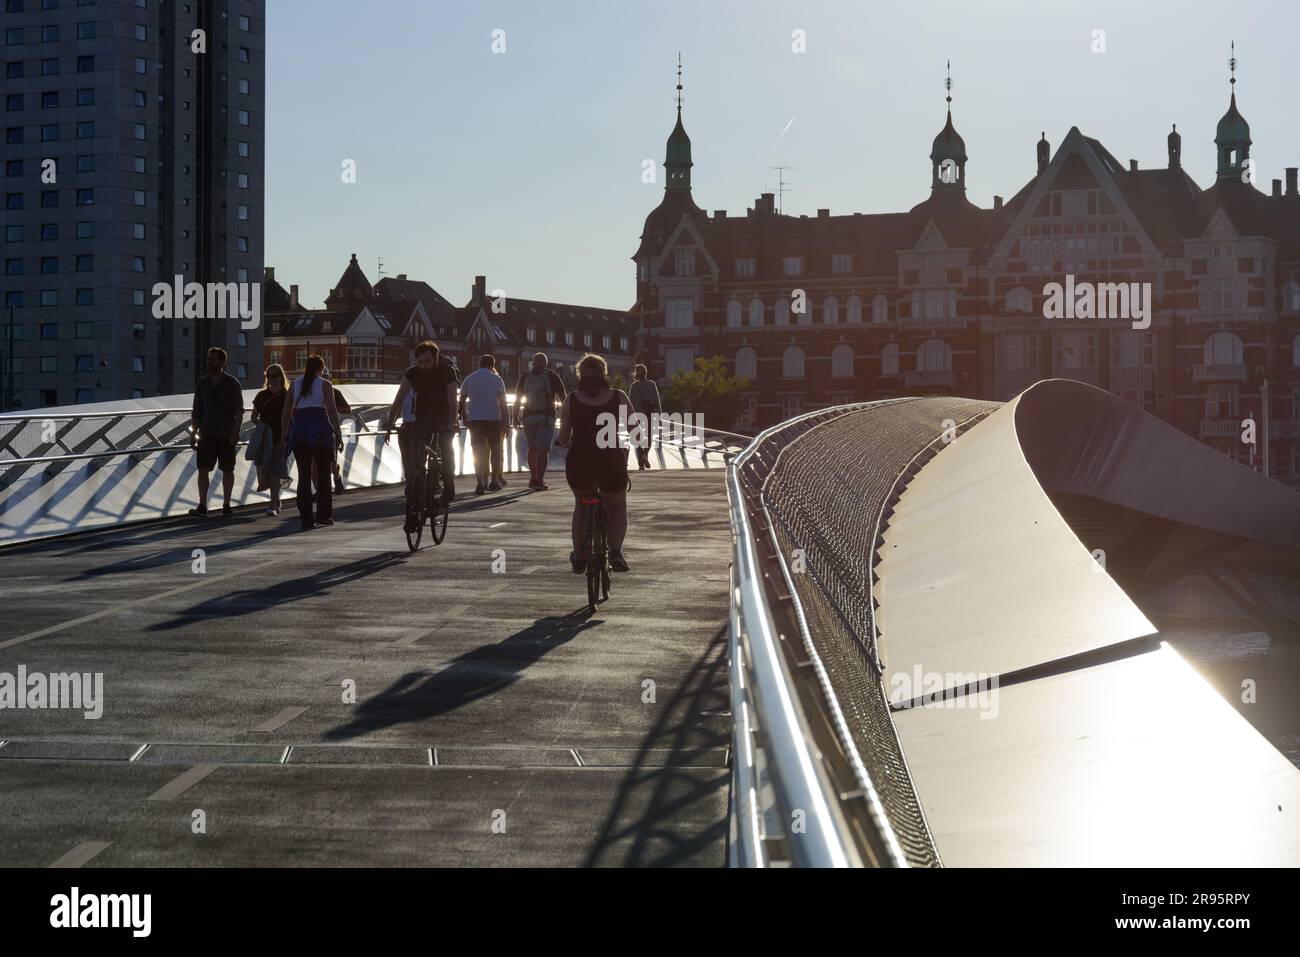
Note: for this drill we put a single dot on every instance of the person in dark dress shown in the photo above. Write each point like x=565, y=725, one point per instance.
x=268, y=408
x=589, y=429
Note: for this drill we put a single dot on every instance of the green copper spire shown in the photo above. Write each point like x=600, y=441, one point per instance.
x=1232, y=138
x=677, y=162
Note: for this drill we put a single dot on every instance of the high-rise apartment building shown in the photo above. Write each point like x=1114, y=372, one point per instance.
x=134, y=133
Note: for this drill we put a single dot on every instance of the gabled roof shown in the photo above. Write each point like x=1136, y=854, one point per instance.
x=389, y=291
x=353, y=286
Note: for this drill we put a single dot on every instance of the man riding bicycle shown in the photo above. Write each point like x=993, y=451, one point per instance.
x=434, y=386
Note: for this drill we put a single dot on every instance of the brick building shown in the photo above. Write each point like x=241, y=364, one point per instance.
x=949, y=297
x=368, y=333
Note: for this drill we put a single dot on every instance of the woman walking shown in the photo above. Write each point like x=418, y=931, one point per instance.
x=268, y=410
x=595, y=459
x=644, y=396
x=311, y=422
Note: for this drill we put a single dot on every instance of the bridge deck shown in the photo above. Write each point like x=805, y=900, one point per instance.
x=479, y=696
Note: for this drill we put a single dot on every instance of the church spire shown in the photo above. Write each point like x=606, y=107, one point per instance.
x=1232, y=137
x=948, y=153
x=677, y=162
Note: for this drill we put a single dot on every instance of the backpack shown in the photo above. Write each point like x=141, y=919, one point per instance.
x=537, y=392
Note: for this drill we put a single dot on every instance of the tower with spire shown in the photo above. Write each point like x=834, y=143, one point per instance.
x=1232, y=137
x=948, y=154
x=677, y=162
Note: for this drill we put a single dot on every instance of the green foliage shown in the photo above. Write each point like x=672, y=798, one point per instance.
x=707, y=390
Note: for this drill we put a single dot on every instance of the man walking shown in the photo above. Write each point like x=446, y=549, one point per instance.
x=483, y=404
x=215, y=419
x=538, y=392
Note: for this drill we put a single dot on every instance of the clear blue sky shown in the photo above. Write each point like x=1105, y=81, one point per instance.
x=526, y=166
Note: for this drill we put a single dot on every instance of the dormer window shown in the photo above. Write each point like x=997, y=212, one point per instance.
x=531, y=335
x=686, y=262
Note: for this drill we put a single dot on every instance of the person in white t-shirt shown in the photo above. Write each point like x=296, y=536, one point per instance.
x=483, y=406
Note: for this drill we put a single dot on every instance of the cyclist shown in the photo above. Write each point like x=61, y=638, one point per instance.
x=589, y=429
x=434, y=385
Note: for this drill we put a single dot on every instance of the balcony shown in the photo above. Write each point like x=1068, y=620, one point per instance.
x=1219, y=373
x=1220, y=428
x=928, y=379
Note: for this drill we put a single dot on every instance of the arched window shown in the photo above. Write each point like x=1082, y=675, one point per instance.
x=1295, y=352
x=842, y=360
x=805, y=318
x=880, y=308
x=733, y=314
x=934, y=355
x=855, y=309
x=1291, y=296
x=889, y=359
x=783, y=312
x=1019, y=300
x=756, y=312
x=1223, y=349
x=792, y=363
x=746, y=363
x=830, y=310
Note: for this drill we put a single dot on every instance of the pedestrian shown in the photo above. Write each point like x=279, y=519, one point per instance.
x=268, y=413
x=483, y=405
x=215, y=419
x=644, y=396
x=311, y=429
x=538, y=392
x=341, y=404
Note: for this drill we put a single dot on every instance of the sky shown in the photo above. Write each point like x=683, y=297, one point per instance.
x=526, y=165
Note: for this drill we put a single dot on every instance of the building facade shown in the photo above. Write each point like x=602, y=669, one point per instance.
x=133, y=154
x=368, y=333
x=952, y=298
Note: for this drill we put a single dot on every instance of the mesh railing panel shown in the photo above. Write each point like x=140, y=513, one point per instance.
x=825, y=481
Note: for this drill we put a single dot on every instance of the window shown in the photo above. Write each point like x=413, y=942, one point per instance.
x=242, y=149
x=681, y=314
x=1222, y=295
x=1295, y=355
x=1017, y=351
x=49, y=297
x=842, y=361
x=85, y=197
x=242, y=117
x=746, y=363
x=50, y=100
x=733, y=314
x=782, y=312
x=792, y=266
x=1223, y=349
x=243, y=55
x=879, y=308
x=1291, y=296
x=49, y=364
x=86, y=130
x=86, y=30
x=854, y=309
x=842, y=264
x=242, y=213
x=550, y=337
x=756, y=312
x=1221, y=402
x=678, y=359
x=792, y=363
x=1130, y=350
x=685, y=259
x=791, y=406
x=568, y=337
x=85, y=297
x=1019, y=300
x=85, y=64
x=745, y=268
x=934, y=355
x=830, y=310
x=1074, y=350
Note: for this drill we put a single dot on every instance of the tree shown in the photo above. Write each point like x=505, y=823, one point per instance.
x=707, y=390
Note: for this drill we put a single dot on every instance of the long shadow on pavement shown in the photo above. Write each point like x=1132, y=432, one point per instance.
x=419, y=695
x=666, y=798
x=249, y=600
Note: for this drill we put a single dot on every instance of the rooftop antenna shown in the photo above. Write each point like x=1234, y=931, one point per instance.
x=947, y=85
x=1232, y=69
x=381, y=267
x=679, y=82
x=781, y=187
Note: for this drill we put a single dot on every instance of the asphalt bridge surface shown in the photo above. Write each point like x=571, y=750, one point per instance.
x=495, y=721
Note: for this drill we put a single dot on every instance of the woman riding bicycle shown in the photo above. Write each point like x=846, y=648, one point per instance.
x=589, y=427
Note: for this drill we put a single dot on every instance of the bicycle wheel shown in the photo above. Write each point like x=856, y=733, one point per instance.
x=413, y=538
x=591, y=541
x=438, y=515
x=602, y=533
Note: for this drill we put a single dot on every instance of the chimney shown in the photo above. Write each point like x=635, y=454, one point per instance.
x=1132, y=166
x=997, y=202
x=293, y=297
x=1290, y=182
x=1277, y=189
x=270, y=274
x=401, y=276
x=767, y=203
x=823, y=213
x=719, y=214
x=480, y=291
x=1044, y=152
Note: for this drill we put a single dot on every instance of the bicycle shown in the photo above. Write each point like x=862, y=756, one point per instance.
x=433, y=506
x=593, y=535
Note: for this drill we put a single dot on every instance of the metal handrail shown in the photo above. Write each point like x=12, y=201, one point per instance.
x=763, y=685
